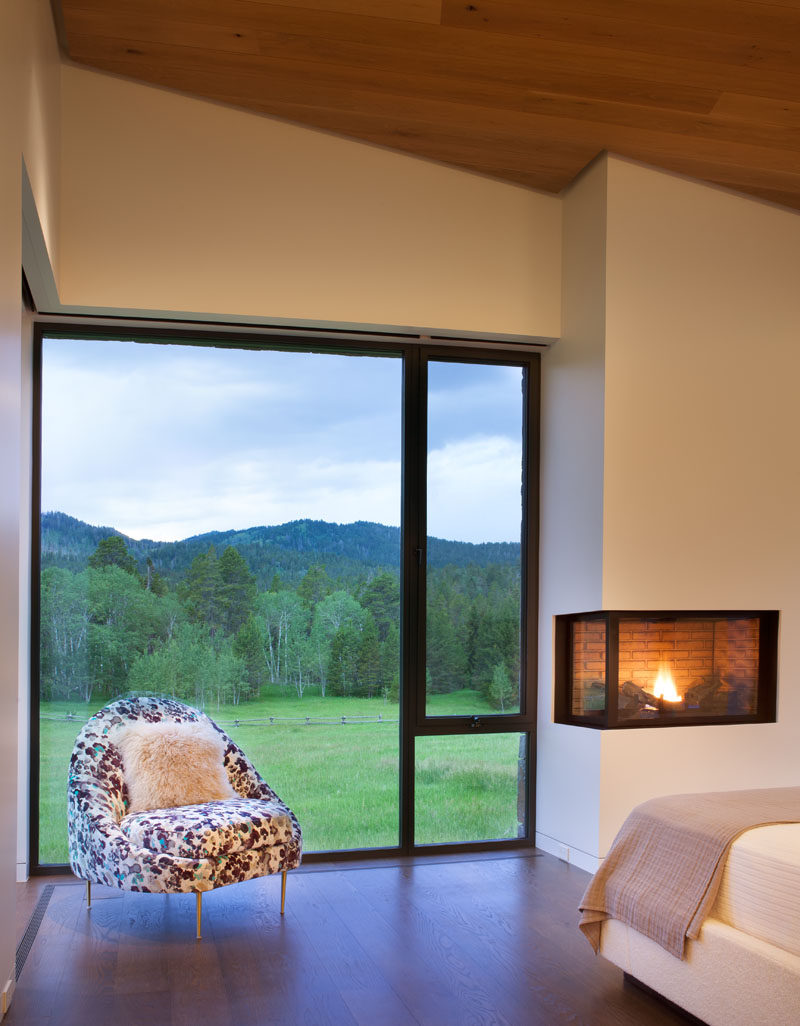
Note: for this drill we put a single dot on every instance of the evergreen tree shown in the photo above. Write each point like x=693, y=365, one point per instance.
x=343, y=660
x=471, y=644
x=381, y=598
x=390, y=663
x=392, y=692
x=219, y=592
x=153, y=581
x=446, y=658
x=248, y=645
x=237, y=590
x=201, y=591
x=113, y=551
x=493, y=636
x=314, y=586
x=368, y=664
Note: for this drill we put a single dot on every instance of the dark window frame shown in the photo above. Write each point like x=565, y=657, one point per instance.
x=415, y=354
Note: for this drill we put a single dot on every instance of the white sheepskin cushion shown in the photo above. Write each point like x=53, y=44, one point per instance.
x=168, y=764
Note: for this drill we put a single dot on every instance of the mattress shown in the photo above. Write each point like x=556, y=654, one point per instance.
x=760, y=889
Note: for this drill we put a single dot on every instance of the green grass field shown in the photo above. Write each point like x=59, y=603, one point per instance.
x=341, y=780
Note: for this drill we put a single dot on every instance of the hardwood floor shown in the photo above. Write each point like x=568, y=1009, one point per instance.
x=456, y=942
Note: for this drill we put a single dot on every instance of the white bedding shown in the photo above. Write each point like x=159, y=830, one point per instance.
x=760, y=889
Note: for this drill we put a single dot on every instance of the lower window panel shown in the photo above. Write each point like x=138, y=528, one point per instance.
x=469, y=788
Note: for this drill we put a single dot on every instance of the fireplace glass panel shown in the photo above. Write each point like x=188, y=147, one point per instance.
x=687, y=667
x=588, y=667
x=631, y=669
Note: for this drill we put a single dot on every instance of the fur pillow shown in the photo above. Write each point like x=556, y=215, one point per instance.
x=167, y=764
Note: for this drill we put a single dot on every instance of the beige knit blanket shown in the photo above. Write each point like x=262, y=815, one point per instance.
x=664, y=868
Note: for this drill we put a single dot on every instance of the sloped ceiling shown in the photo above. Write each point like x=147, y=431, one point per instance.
x=527, y=91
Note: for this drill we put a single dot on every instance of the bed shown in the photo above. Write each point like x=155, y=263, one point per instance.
x=719, y=934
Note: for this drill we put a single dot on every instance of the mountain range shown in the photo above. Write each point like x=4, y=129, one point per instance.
x=345, y=550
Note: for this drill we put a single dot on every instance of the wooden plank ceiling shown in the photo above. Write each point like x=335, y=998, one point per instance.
x=527, y=91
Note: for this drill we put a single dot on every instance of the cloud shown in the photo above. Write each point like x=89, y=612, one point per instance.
x=237, y=495
x=474, y=490
x=167, y=441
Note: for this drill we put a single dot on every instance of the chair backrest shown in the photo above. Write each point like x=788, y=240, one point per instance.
x=96, y=764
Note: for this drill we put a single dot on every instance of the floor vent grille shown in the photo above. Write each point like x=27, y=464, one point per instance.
x=25, y=945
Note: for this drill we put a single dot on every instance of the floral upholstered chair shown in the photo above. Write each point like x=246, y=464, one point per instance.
x=191, y=845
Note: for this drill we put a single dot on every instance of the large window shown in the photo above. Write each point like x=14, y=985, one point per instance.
x=326, y=550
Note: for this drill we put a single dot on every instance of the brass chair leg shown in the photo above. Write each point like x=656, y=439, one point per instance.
x=88, y=894
x=283, y=892
x=199, y=895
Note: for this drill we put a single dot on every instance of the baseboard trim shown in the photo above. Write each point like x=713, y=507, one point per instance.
x=581, y=859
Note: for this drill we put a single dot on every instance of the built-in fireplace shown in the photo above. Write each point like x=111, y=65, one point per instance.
x=665, y=669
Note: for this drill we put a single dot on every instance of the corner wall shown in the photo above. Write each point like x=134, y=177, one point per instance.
x=670, y=474
x=174, y=204
x=702, y=475
x=571, y=516
x=30, y=132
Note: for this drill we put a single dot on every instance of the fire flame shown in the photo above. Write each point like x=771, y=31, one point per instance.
x=664, y=686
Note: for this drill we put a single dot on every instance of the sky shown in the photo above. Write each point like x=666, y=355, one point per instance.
x=169, y=441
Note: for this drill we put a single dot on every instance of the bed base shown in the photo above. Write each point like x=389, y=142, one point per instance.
x=631, y=981
x=728, y=978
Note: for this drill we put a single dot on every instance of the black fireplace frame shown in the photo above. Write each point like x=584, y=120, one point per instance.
x=609, y=719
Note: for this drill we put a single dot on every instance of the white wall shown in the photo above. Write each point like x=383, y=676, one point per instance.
x=29, y=120
x=571, y=529
x=177, y=204
x=702, y=471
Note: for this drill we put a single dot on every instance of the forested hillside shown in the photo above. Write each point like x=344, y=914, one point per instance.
x=286, y=549
x=306, y=604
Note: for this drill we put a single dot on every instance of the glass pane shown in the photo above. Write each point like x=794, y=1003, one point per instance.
x=687, y=667
x=474, y=514
x=588, y=667
x=247, y=563
x=469, y=787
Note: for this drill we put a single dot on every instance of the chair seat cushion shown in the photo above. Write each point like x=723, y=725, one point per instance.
x=210, y=830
